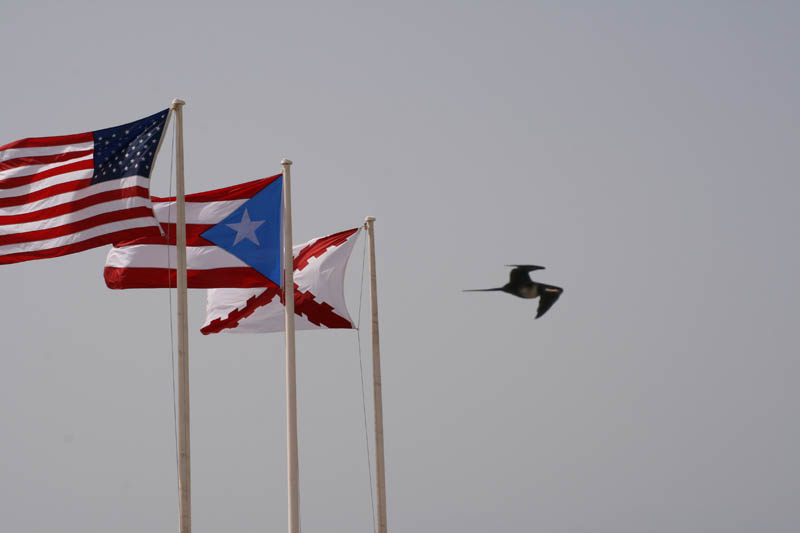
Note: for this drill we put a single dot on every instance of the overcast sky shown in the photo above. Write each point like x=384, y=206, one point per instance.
x=645, y=153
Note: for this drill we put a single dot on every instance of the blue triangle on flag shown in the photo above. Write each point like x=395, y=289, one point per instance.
x=252, y=232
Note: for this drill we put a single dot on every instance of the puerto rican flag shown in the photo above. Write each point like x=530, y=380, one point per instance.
x=66, y=194
x=319, y=270
x=233, y=239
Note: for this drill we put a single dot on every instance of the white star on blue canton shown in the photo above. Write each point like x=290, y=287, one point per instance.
x=246, y=229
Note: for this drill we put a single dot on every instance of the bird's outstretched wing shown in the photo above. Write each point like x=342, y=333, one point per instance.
x=548, y=294
x=519, y=274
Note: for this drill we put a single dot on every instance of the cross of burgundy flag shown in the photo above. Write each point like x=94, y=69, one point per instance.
x=319, y=269
x=233, y=239
x=66, y=194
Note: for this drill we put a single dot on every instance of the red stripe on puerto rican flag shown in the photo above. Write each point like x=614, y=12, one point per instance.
x=147, y=278
x=241, y=191
x=193, y=238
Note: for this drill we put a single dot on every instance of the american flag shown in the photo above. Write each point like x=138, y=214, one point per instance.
x=66, y=194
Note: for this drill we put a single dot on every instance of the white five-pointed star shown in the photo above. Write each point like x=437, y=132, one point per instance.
x=246, y=229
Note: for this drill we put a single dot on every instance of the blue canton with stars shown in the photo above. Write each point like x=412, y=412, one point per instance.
x=252, y=232
x=127, y=150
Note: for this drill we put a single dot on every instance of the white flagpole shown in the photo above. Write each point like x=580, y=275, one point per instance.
x=184, y=465
x=291, y=373
x=380, y=470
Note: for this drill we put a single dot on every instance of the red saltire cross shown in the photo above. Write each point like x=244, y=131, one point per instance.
x=318, y=313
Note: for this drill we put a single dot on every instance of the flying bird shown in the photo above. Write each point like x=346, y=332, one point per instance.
x=520, y=284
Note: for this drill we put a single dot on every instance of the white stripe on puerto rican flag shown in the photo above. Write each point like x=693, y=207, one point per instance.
x=196, y=212
x=147, y=255
x=150, y=262
x=320, y=266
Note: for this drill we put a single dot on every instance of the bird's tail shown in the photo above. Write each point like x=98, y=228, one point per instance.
x=483, y=290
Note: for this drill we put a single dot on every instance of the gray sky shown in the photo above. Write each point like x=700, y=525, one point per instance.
x=645, y=153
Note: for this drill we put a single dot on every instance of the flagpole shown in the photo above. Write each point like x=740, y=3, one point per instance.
x=184, y=464
x=291, y=373
x=380, y=470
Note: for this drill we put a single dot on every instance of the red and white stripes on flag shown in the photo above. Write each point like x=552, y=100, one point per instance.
x=319, y=270
x=150, y=262
x=66, y=194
